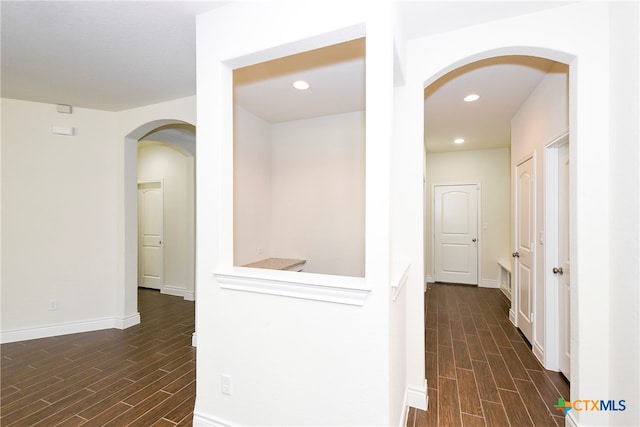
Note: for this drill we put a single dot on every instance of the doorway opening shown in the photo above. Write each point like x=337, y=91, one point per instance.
x=488, y=138
x=166, y=211
x=160, y=137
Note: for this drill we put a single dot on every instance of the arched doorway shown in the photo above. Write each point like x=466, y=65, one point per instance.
x=543, y=307
x=179, y=136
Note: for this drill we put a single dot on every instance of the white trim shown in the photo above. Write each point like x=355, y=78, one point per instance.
x=418, y=397
x=200, y=420
x=570, y=421
x=538, y=352
x=413, y=398
x=68, y=328
x=318, y=287
x=486, y=283
x=397, y=285
x=194, y=340
x=126, y=322
x=178, y=292
x=429, y=279
x=512, y=315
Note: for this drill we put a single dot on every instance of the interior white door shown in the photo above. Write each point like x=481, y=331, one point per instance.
x=150, y=235
x=524, y=254
x=562, y=270
x=456, y=233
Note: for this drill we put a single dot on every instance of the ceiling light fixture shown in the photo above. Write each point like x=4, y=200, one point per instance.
x=472, y=97
x=458, y=140
x=301, y=85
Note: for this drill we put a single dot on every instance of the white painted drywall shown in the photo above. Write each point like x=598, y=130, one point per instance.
x=59, y=205
x=252, y=204
x=543, y=117
x=292, y=361
x=132, y=125
x=577, y=34
x=175, y=168
x=318, y=177
x=624, y=331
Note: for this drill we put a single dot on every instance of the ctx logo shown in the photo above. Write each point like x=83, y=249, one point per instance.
x=590, y=405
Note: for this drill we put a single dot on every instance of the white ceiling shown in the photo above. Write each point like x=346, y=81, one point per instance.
x=120, y=55
x=108, y=55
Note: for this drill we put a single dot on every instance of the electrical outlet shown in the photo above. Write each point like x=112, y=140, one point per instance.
x=53, y=304
x=226, y=384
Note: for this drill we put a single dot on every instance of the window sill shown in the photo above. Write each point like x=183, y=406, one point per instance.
x=309, y=286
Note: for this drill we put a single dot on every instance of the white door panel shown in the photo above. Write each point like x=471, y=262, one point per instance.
x=524, y=253
x=564, y=278
x=456, y=233
x=150, y=232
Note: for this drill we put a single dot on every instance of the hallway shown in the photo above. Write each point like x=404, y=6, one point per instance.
x=480, y=370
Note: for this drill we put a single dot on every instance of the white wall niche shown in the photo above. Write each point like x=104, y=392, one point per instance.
x=299, y=160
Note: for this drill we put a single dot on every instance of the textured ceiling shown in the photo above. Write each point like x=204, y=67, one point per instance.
x=116, y=55
x=99, y=54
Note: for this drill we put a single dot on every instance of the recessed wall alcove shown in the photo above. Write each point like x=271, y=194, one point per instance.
x=299, y=161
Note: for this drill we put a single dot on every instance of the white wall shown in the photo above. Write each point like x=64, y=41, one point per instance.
x=175, y=168
x=67, y=232
x=299, y=191
x=58, y=222
x=543, y=117
x=318, y=189
x=490, y=169
x=624, y=204
x=328, y=361
x=577, y=34
x=132, y=125
x=252, y=202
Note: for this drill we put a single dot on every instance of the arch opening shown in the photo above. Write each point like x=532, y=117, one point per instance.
x=545, y=342
x=165, y=144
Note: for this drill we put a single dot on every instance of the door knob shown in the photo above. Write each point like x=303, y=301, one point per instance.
x=557, y=270
x=474, y=240
x=515, y=255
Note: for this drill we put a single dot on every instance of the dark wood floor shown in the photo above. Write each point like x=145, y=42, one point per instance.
x=480, y=370
x=143, y=376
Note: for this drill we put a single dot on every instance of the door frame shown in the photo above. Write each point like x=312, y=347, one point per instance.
x=160, y=183
x=433, y=224
x=551, y=307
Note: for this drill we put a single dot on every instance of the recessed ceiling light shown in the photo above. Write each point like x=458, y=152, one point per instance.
x=472, y=97
x=458, y=140
x=301, y=85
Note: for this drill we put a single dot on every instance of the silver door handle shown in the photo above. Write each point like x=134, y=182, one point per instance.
x=557, y=270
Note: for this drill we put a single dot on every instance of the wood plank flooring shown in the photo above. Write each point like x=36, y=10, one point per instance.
x=480, y=370
x=143, y=376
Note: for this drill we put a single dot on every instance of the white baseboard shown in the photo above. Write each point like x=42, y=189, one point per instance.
x=414, y=397
x=201, y=420
x=126, y=322
x=417, y=397
x=429, y=279
x=485, y=283
x=194, y=340
x=512, y=317
x=505, y=291
x=538, y=352
x=68, y=328
x=569, y=420
x=178, y=292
